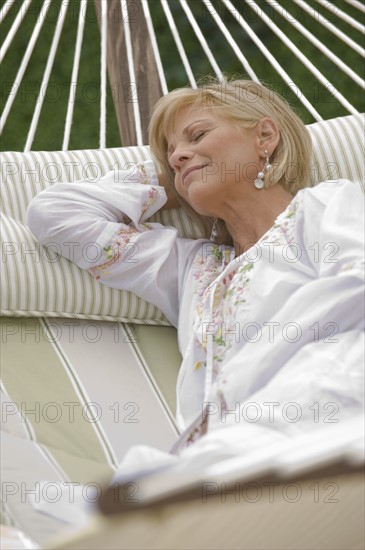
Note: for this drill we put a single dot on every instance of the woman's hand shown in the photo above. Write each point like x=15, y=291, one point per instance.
x=172, y=201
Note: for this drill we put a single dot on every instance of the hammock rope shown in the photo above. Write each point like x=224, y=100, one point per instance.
x=222, y=15
x=306, y=62
x=342, y=15
x=24, y=63
x=179, y=44
x=19, y=18
x=103, y=75
x=337, y=32
x=47, y=73
x=223, y=28
x=4, y=10
x=75, y=72
x=156, y=51
x=203, y=42
x=322, y=48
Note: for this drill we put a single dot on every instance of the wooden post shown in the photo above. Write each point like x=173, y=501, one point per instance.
x=147, y=84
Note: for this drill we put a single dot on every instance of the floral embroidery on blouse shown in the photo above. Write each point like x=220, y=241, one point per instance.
x=207, y=266
x=232, y=292
x=152, y=196
x=238, y=287
x=284, y=225
x=237, y=293
x=112, y=253
x=143, y=173
x=198, y=431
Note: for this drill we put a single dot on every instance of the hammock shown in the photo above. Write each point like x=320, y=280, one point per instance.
x=144, y=49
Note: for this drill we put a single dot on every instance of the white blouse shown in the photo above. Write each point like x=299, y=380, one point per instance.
x=272, y=339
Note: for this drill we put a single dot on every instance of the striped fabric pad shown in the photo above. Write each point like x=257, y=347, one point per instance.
x=36, y=282
x=338, y=149
x=76, y=395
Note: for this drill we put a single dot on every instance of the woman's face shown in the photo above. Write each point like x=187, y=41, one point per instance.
x=211, y=159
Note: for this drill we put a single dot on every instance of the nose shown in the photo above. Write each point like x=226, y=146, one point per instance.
x=179, y=156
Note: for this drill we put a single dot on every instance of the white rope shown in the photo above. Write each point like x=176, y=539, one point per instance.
x=211, y=9
x=156, y=51
x=179, y=44
x=336, y=60
x=282, y=73
x=342, y=15
x=103, y=76
x=132, y=76
x=195, y=26
x=19, y=18
x=75, y=72
x=47, y=72
x=356, y=47
x=4, y=10
x=24, y=64
x=202, y=40
x=327, y=84
x=356, y=4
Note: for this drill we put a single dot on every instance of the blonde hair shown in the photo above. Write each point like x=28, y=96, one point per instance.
x=244, y=103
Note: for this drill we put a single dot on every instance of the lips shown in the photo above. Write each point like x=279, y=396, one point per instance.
x=191, y=169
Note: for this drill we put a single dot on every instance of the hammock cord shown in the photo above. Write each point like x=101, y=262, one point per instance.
x=156, y=51
x=4, y=10
x=178, y=43
x=306, y=62
x=75, y=72
x=103, y=75
x=220, y=14
x=330, y=26
x=322, y=48
x=282, y=73
x=47, y=72
x=203, y=42
x=223, y=28
x=19, y=18
x=24, y=63
x=342, y=15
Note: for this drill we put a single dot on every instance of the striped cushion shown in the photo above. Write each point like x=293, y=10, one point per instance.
x=36, y=283
x=338, y=149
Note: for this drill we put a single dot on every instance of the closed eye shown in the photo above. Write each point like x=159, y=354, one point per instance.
x=198, y=135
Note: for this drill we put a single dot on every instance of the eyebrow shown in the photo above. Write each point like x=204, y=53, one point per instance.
x=170, y=148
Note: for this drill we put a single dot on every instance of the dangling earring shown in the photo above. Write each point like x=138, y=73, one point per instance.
x=214, y=231
x=259, y=181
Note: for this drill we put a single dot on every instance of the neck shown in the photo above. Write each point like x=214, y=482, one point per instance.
x=249, y=219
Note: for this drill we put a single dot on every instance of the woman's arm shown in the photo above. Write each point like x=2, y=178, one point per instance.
x=102, y=227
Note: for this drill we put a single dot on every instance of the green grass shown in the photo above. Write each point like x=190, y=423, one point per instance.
x=85, y=128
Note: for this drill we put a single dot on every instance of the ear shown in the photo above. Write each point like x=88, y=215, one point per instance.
x=268, y=136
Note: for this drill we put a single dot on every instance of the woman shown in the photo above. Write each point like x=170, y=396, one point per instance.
x=269, y=308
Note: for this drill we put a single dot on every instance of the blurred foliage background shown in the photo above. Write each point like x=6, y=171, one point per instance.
x=85, y=128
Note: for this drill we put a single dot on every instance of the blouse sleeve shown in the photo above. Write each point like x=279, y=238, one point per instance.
x=102, y=227
x=320, y=368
